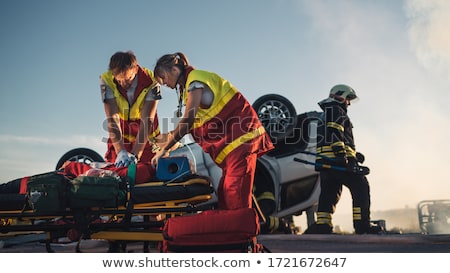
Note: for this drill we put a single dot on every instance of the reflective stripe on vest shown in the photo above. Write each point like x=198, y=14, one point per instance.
x=125, y=112
x=238, y=142
x=222, y=89
x=224, y=95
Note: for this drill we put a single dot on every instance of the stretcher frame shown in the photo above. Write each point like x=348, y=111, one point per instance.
x=115, y=225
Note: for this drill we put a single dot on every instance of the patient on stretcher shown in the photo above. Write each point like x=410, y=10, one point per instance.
x=62, y=212
x=145, y=172
x=176, y=183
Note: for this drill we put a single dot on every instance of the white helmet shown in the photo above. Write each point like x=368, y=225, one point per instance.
x=340, y=93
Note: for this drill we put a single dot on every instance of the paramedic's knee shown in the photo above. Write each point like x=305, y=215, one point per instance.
x=237, y=192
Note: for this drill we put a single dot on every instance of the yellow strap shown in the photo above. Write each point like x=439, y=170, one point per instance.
x=238, y=142
x=192, y=181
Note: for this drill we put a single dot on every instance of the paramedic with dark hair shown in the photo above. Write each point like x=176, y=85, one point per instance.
x=221, y=121
x=130, y=96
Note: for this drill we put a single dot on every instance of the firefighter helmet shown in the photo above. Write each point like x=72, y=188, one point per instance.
x=342, y=92
x=339, y=93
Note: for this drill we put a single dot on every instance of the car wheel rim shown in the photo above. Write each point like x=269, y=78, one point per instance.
x=81, y=159
x=275, y=116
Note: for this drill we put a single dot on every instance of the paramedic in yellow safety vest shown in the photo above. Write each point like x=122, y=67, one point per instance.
x=336, y=147
x=221, y=121
x=130, y=95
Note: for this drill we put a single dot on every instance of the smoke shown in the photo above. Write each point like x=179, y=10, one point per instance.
x=429, y=23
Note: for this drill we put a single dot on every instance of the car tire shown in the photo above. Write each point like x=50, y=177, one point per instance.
x=277, y=114
x=83, y=155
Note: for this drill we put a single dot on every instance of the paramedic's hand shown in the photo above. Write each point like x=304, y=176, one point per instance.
x=132, y=159
x=123, y=159
x=158, y=155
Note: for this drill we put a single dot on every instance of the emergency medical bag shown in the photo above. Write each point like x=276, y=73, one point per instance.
x=213, y=231
x=96, y=191
x=47, y=192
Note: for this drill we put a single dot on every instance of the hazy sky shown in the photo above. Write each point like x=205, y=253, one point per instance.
x=395, y=54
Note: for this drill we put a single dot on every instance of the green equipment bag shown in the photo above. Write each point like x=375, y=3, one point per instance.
x=47, y=192
x=94, y=191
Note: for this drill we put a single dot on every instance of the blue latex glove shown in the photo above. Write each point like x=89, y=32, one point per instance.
x=124, y=159
x=132, y=159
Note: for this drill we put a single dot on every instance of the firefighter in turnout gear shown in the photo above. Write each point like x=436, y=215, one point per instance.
x=336, y=147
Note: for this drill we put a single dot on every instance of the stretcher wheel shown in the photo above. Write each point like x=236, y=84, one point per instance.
x=73, y=235
x=117, y=247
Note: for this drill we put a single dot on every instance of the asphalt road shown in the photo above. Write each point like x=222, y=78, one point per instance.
x=386, y=243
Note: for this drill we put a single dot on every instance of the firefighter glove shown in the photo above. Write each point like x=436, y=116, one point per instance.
x=360, y=157
x=341, y=161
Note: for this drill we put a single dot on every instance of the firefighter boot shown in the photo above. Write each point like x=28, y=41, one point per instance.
x=319, y=229
x=362, y=224
x=323, y=224
x=368, y=229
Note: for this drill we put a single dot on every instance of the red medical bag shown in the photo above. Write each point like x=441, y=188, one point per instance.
x=213, y=231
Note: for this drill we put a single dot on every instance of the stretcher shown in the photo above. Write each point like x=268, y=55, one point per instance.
x=141, y=218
